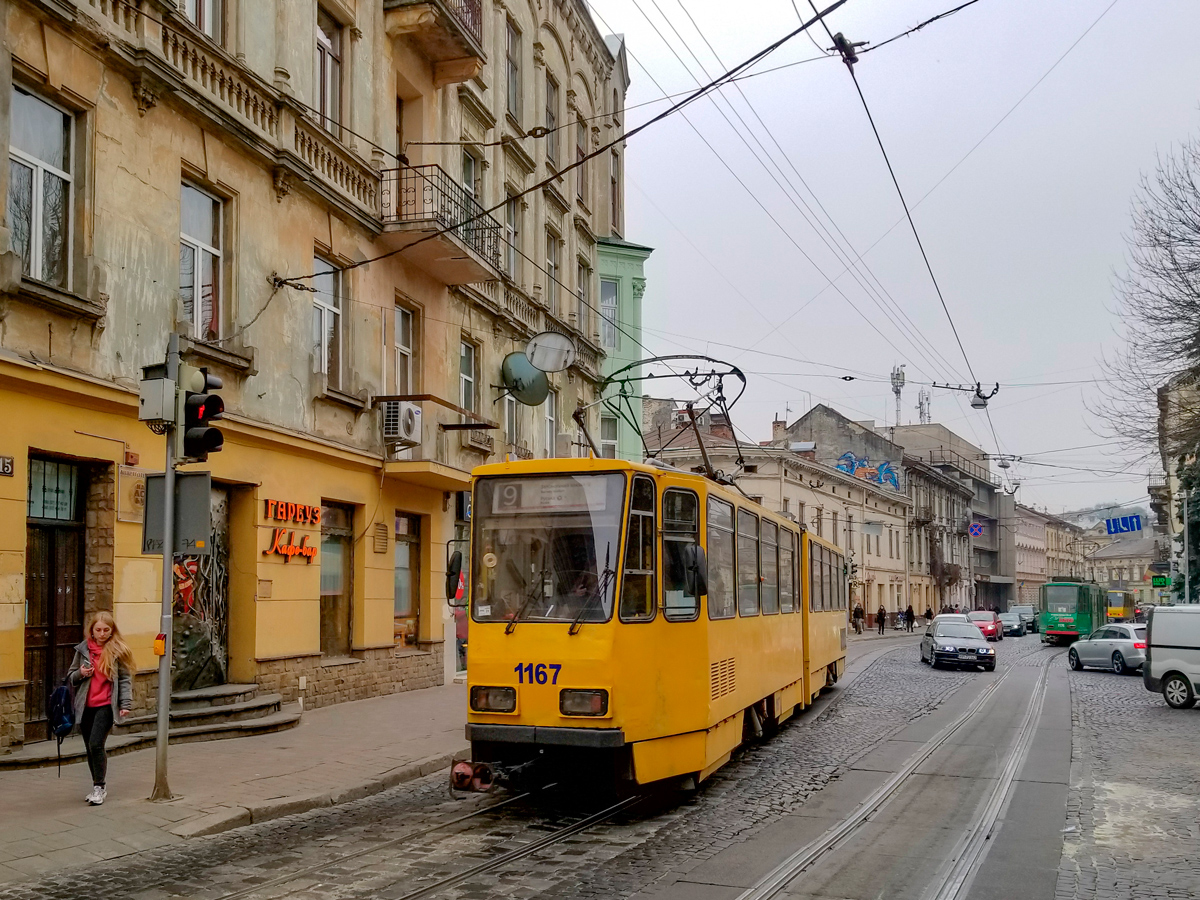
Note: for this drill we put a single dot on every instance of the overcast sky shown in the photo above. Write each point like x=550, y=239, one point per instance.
x=1024, y=236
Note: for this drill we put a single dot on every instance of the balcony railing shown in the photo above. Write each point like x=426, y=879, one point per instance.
x=468, y=14
x=444, y=29
x=414, y=194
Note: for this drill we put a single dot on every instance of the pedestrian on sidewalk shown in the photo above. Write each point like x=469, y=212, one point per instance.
x=881, y=618
x=910, y=618
x=102, y=674
x=858, y=615
x=928, y=615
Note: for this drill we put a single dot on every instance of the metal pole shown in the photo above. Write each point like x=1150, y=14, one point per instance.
x=1187, y=548
x=162, y=790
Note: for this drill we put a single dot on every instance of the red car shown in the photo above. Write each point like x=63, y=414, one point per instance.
x=988, y=622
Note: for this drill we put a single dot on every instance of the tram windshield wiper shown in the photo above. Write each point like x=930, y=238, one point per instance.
x=602, y=585
x=538, y=587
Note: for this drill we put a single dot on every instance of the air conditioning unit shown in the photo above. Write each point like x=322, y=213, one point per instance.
x=401, y=423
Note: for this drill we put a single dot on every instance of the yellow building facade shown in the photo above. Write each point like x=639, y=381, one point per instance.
x=225, y=171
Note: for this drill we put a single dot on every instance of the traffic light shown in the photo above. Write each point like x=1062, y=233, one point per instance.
x=196, y=407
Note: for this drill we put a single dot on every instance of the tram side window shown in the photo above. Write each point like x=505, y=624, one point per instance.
x=721, y=576
x=637, y=585
x=839, y=578
x=681, y=532
x=814, y=578
x=827, y=577
x=747, y=563
x=770, y=568
x=787, y=572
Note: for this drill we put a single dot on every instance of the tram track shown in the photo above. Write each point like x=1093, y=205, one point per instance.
x=954, y=880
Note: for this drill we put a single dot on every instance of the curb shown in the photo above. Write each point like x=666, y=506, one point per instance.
x=230, y=817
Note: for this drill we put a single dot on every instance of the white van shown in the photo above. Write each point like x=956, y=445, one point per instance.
x=1173, y=654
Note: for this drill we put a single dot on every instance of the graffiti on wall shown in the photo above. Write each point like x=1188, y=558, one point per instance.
x=860, y=467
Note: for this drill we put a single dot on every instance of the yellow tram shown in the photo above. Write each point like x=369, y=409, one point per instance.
x=639, y=620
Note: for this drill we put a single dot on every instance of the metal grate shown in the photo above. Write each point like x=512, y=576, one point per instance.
x=722, y=677
x=379, y=537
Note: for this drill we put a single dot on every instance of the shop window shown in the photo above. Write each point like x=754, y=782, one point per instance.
x=609, y=335
x=408, y=578
x=40, y=188
x=721, y=578
x=637, y=584
x=206, y=15
x=747, y=563
x=337, y=548
x=609, y=431
x=329, y=71
x=200, y=261
x=769, y=567
x=327, y=321
x=681, y=532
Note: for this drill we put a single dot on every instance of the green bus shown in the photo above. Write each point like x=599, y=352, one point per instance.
x=1070, y=610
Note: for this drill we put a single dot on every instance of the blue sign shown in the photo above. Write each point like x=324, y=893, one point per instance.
x=976, y=529
x=1123, y=525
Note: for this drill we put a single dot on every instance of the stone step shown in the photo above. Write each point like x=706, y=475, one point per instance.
x=217, y=695
x=255, y=708
x=40, y=754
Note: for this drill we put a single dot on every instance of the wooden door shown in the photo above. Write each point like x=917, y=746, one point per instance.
x=53, y=616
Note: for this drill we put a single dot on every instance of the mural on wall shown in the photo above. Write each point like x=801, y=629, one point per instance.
x=860, y=467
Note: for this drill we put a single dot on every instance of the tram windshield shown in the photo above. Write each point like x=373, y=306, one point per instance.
x=1060, y=598
x=546, y=548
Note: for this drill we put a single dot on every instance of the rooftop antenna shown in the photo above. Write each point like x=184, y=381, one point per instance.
x=897, y=387
x=924, y=401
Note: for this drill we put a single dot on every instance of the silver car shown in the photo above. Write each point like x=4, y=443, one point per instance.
x=1121, y=648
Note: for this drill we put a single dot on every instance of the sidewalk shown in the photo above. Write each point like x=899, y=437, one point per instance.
x=336, y=754
x=874, y=635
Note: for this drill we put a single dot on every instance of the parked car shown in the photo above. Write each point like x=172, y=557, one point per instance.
x=1012, y=623
x=987, y=622
x=1173, y=654
x=1121, y=648
x=1028, y=615
x=956, y=644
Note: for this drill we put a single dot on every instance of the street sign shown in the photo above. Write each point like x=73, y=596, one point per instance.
x=976, y=529
x=1123, y=525
x=1160, y=581
x=193, y=514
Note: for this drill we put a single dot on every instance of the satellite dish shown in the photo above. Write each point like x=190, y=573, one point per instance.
x=523, y=380
x=550, y=351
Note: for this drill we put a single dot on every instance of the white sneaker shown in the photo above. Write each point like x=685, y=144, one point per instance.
x=98, y=795
x=91, y=795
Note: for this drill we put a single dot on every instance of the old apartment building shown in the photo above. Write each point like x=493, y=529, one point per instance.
x=298, y=187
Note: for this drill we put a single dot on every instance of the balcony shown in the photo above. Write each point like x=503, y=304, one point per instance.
x=449, y=33
x=451, y=237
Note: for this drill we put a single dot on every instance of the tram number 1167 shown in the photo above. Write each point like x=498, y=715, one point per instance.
x=537, y=674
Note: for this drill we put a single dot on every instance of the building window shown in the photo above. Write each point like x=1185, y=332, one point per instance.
x=785, y=505
x=466, y=376
x=329, y=71
x=551, y=121
x=552, y=271
x=608, y=437
x=583, y=278
x=512, y=236
x=337, y=543
x=470, y=169
x=327, y=321
x=610, y=338
x=407, y=602
x=206, y=15
x=200, y=262
x=833, y=528
x=614, y=184
x=550, y=410
x=40, y=188
x=404, y=350
x=580, y=157
x=53, y=490
x=512, y=62
x=511, y=420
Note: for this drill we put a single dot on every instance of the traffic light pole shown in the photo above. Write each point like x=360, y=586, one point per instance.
x=162, y=790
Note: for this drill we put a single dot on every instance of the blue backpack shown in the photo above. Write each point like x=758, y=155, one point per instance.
x=61, y=714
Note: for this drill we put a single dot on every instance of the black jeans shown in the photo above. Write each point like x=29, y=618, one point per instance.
x=97, y=722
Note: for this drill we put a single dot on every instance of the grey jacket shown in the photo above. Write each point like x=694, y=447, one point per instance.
x=122, y=695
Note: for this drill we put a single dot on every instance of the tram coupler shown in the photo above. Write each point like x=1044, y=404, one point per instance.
x=477, y=777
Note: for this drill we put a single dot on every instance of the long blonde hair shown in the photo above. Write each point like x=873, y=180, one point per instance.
x=115, y=650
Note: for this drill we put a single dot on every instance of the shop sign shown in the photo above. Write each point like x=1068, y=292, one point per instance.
x=301, y=514
x=283, y=543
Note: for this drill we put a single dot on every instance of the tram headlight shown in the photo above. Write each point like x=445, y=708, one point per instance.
x=572, y=702
x=493, y=699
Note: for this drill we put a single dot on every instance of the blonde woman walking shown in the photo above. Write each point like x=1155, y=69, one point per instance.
x=102, y=673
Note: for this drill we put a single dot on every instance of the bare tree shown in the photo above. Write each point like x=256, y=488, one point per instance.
x=1160, y=312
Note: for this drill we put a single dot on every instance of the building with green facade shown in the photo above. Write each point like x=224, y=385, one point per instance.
x=622, y=285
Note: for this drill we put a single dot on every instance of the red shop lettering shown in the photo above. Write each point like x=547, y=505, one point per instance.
x=289, y=548
x=283, y=511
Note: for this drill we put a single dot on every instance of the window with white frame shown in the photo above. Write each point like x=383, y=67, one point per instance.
x=200, y=268
x=512, y=235
x=550, y=411
x=327, y=321
x=608, y=437
x=403, y=341
x=40, y=187
x=610, y=338
x=329, y=71
x=470, y=168
x=466, y=375
x=512, y=418
x=551, y=121
x=207, y=16
x=583, y=280
x=512, y=66
x=552, y=272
